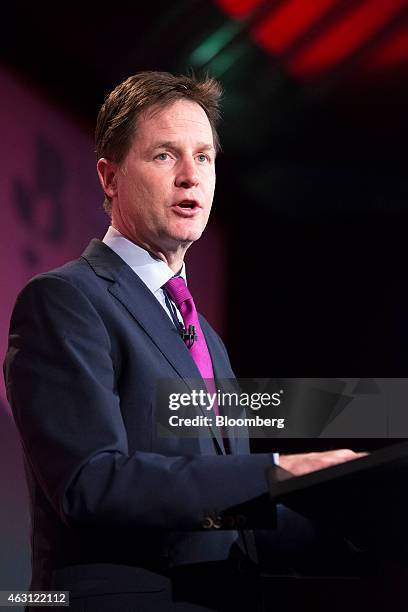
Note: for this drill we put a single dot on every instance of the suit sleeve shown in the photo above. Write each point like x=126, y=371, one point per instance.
x=60, y=382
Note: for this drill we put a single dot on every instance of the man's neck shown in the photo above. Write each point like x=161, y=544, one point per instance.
x=173, y=259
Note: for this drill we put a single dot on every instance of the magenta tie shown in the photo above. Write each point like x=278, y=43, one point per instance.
x=181, y=296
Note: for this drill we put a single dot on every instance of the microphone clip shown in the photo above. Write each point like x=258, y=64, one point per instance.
x=189, y=336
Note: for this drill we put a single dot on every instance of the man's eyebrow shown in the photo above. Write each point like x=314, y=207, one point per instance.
x=170, y=144
x=205, y=146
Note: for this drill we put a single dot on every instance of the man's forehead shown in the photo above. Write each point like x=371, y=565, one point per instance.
x=165, y=122
x=183, y=110
x=174, y=105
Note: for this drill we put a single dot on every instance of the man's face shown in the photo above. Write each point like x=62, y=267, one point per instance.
x=165, y=185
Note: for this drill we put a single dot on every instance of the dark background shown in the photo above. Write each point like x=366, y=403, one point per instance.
x=312, y=188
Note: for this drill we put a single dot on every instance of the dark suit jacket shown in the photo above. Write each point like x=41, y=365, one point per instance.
x=88, y=343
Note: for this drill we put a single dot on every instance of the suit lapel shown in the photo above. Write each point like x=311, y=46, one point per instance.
x=139, y=301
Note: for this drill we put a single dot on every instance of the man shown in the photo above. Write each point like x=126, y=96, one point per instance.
x=122, y=518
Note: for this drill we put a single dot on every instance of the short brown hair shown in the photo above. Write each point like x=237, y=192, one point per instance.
x=117, y=119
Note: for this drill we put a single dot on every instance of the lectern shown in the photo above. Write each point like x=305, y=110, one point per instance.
x=366, y=499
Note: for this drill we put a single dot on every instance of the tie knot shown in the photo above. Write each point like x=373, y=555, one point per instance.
x=178, y=290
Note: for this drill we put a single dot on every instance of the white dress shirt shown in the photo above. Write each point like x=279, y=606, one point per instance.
x=152, y=271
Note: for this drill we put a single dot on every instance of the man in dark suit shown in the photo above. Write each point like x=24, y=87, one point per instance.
x=123, y=518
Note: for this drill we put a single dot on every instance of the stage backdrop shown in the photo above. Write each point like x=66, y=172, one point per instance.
x=51, y=207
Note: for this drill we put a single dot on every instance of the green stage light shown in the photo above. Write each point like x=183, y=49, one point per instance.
x=212, y=45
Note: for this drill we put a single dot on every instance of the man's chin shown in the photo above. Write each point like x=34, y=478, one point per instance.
x=180, y=237
x=186, y=238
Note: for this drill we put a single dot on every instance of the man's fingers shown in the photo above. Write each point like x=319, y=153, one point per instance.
x=310, y=462
x=345, y=454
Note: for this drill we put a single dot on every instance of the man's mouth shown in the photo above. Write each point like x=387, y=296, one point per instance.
x=188, y=204
x=187, y=208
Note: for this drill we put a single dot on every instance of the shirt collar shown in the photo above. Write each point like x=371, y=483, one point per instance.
x=152, y=271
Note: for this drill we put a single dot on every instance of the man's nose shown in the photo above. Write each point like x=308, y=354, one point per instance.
x=186, y=175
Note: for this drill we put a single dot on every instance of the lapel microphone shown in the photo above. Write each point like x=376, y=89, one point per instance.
x=189, y=336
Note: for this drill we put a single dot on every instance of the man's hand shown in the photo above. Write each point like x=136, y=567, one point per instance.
x=303, y=463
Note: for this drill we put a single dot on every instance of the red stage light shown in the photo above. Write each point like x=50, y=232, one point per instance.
x=344, y=37
x=392, y=54
x=284, y=25
x=239, y=8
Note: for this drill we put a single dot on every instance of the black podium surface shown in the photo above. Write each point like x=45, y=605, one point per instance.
x=366, y=499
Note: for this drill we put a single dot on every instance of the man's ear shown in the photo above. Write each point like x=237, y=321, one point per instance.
x=107, y=171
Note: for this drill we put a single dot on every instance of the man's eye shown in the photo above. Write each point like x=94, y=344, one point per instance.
x=162, y=156
x=202, y=158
